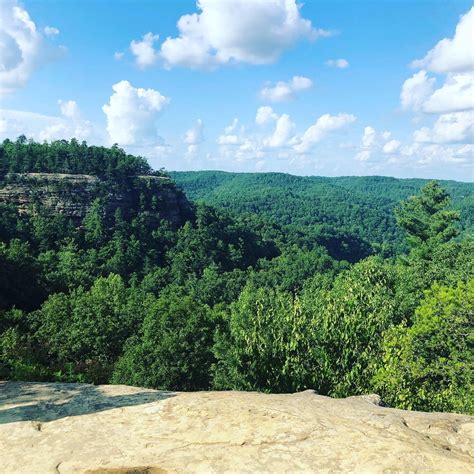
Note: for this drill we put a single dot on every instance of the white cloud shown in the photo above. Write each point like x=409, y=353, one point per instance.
x=453, y=102
x=391, y=147
x=44, y=127
x=22, y=47
x=463, y=154
x=455, y=54
x=363, y=155
x=456, y=94
x=281, y=135
x=339, y=63
x=368, y=139
x=131, y=114
x=69, y=109
x=416, y=90
x=50, y=31
x=256, y=143
x=144, y=52
x=422, y=154
x=233, y=126
x=283, y=91
x=264, y=115
x=374, y=142
x=324, y=125
x=448, y=128
x=193, y=138
x=455, y=58
x=192, y=151
x=255, y=32
x=118, y=55
x=229, y=139
x=368, y=144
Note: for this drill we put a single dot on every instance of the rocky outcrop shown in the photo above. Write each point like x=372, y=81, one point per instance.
x=73, y=428
x=73, y=194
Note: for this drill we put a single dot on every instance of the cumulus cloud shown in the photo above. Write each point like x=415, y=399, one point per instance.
x=283, y=91
x=453, y=101
x=45, y=127
x=456, y=94
x=448, y=128
x=22, y=47
x=373, y=142
x=255, y=32
x=257, y=143
x=421, y=154
x=264, y=115
x=416, y=90
x=282, y=132
x=193, y=138
x=131, y=114
x=453, y=57
x=452, y=54
x=391, y=147
x=144, y=51
x=338, y=63
x=69, y=109
x=368, y=139
x=322, y=127
x=230, y=136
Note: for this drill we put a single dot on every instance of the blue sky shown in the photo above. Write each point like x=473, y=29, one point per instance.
x=335, y=82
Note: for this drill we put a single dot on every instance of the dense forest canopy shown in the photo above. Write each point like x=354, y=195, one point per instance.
x=362, y=207
x=279, y=287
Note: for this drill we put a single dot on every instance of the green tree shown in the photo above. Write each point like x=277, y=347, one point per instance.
x=267, y=344
x=172, y=351
x=328, y=340
x=94, y=225
x=84, y=332
x=430, y=365
x=427, y=219
x=349, y=320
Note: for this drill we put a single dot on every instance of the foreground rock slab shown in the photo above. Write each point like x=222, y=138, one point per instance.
x=75, y=428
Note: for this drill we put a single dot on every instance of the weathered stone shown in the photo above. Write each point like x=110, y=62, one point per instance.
x=72, y=195
x=74, y=428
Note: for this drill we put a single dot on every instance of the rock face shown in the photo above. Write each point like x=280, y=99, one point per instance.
x=74, y=428
x=73, y=194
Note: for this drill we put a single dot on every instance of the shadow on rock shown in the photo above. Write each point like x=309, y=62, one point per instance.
x=42, y=402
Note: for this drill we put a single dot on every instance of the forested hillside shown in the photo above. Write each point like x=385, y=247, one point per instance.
x=227, y=299
x=362, y=207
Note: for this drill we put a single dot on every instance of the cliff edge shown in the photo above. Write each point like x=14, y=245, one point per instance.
x=75, y=428
x=72, y=194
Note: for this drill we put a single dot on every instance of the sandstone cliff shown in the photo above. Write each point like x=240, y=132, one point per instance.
x=73, y=194
x=73, y=428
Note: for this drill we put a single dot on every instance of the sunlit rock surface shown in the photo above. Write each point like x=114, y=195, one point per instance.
x=74, y=428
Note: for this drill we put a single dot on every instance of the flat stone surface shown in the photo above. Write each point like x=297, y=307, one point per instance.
x=76, y=428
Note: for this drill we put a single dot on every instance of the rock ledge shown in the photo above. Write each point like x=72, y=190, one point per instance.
x=75, y=428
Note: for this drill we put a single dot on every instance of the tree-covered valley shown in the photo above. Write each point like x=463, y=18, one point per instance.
x=264, y=282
